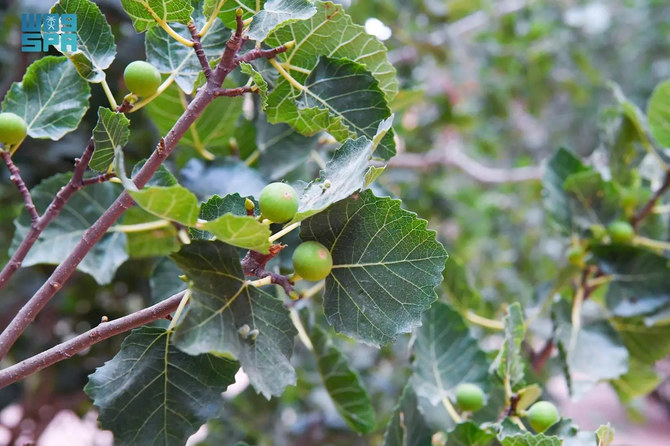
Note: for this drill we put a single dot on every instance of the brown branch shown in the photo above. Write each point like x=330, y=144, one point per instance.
x=103, y=331
x=15, y=177
x=164, y=148
x=199, y=51
x=642, y=213
x=451, y=156
x=64, y=194
x=230, y=92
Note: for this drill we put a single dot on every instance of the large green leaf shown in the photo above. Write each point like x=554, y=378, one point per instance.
x=469, y=434
x=658, y=113
x=59, y=238
x=224, y=308
x=345, y=173
x=279, y=12
x=174, y=203
x=339, y=96
x=228, y=221
x=170, y=56
x=592, y=353
x=342, y=383
x=407, y=426
x=151, y=393
x=556, y=202
x=386, y=266
x=509, y=362
x=52, y=98
x=143, y=13
x=640, y=279
x=446, y=355
x=210, y=132
x=95, y=42
x=112, y=130
x=332, y=33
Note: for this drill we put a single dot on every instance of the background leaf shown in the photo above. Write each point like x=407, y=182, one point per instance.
x=407, y=426
x=151, y=393
x=79, y=213
x=658, y=113
x=592, y=354
x=446, y=355
x=221, y=304
x=509, y=362
x=342, y=383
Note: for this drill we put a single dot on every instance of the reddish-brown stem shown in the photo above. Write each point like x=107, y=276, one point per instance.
x=253, y=264
x=233, y=91
x=15, y=177
x=199, y=51
x=103, y=331
x=646, y=209
x=124, y=107
x=97, y=179
x=52, y=211
x=540, y=358
x=165, y=146
x=261, y=53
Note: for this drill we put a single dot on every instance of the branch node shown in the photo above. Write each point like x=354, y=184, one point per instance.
x=199, y=51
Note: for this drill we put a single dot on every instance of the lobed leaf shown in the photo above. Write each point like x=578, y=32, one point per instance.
x=52, y=98
x=152, y=393
x=223, y=306
x=144, y=13
x=386, y=266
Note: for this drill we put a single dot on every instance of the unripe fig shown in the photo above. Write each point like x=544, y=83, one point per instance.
x=469, y=397
x=575, y=255
x=278, y=202
x=621, y=232
x=312, y=261
x=142, y=78
x=12, y=128
x=598, y=232
x=542, y=415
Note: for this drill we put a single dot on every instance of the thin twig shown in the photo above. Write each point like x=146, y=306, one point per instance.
x=263, y=53
x=52, y=211
x=230, y=92
x=199, y=51
x=15, y=177
x=103, y=331
x=647, y=208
